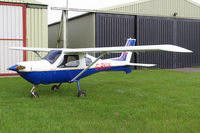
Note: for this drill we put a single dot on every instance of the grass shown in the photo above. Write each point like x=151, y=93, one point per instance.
x=196, y=67
x=147, y=101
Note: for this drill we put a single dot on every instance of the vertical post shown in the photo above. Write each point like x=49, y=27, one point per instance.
x=64, y=30
x=65, y=27
x=59, y=33
x=175, y=64
x=136, y=27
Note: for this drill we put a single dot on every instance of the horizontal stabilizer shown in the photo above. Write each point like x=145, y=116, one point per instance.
x=142, y=65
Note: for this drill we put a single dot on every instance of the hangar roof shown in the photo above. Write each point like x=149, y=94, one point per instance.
x=24, y=1
x=169, y=8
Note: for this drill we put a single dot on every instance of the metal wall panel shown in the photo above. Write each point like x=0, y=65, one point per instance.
x=188, y=36
x=37, y=30
x=181, y=32
x=11, y=35
x=114, y=30
x=77, y=29
x=151, y=31
x=9, y=57
x=81, y=32
x=11, y=24
x=53, y=30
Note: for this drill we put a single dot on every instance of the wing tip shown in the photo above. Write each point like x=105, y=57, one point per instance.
x=172, y=48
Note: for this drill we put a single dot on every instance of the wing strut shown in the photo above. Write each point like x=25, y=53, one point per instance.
x=37, y=54
x=88, y=67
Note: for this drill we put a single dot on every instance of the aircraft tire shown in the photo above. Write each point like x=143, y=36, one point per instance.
x=81, y=94
x=35, y=95
x=54, y=87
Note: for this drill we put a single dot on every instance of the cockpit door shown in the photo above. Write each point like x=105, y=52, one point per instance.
x=69, y=61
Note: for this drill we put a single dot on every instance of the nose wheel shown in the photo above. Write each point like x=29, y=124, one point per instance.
x=33, y=93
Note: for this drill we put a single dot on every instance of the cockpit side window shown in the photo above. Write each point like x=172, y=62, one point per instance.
x=70, y=61
x=52, y=56
x=88, y=61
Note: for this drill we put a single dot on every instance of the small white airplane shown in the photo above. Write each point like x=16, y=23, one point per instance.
x=71, y=65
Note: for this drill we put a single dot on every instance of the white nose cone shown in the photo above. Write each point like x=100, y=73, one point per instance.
x=41, y=65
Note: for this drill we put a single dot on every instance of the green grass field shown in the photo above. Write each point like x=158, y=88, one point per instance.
x=146, y=101
x=196, y=67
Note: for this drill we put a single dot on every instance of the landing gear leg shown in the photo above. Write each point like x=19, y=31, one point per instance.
x=80, y=93
x=56, y=87
x=33, y=93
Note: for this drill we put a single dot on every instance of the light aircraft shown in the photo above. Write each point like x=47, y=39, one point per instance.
x=71, y=65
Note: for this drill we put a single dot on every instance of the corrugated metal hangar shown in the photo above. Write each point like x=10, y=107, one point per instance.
x=177, y=23
x=22, y=23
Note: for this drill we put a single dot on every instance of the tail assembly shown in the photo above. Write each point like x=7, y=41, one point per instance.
x=126, y=56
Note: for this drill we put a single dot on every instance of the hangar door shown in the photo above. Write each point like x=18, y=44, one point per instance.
x=12, y=34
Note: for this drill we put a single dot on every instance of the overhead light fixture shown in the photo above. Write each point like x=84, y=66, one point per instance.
x=175, y=14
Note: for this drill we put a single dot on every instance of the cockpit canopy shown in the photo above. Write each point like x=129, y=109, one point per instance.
x=52, y=56
x=66, y=60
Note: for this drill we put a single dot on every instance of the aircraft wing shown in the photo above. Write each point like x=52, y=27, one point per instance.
x=33, y=49
x=170, y=48
x=167, y=47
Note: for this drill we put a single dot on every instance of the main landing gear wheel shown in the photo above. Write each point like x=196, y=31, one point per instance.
x=81, y=94
x=54, y=87
x=34, y=95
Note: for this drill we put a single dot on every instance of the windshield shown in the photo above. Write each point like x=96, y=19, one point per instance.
x=52, y=56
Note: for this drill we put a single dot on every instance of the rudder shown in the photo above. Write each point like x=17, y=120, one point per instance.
x=126, y=56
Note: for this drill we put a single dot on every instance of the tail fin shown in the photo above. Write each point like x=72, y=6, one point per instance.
x=126, y=56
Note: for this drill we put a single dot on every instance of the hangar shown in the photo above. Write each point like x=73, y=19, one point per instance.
x=22, y=23
x=149, y=21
